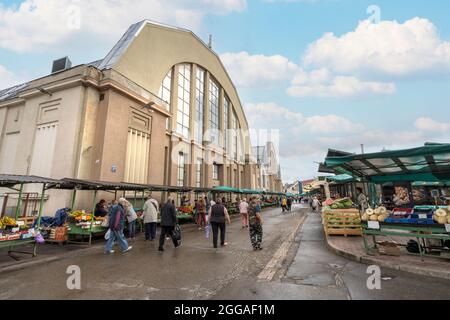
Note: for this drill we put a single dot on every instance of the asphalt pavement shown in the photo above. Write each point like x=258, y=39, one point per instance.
x=295, y=264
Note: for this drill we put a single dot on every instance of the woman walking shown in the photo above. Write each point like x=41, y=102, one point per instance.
x=217, y=216
x=150, y=217
x=116, y=225
x=243, y=210
x=201, y=213
x=131, y=218
x=255, y=222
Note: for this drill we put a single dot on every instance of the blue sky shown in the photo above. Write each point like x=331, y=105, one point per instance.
x=383, y=84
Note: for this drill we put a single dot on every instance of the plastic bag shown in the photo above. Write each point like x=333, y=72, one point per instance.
x=108, y=234
x=39, y=238
x=207, y=231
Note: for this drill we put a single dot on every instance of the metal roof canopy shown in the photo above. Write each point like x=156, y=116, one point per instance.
x=11, y=180
x=341, y=178
x=428, y=163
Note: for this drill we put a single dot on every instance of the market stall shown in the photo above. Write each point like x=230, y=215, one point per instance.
x=227, y=193
x=82, y=223
x=16, y=231
x=398, y=216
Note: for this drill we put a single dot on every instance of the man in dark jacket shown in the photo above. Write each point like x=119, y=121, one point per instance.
x=116, y=225
x=168, y=223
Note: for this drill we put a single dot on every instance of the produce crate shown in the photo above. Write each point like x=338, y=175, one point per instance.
x=342, y=222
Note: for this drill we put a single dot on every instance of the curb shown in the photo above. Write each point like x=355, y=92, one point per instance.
x=398, y=267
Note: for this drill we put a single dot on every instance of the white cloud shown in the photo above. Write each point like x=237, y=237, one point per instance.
x=388, y=48
x=321, y=83
x=43, y=24
x=248, y=70
x=428, y=124
x=273, y=116
x=8, y=78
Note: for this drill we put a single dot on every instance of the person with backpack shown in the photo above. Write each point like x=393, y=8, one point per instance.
x=116, y=226
x=150, y=217
x=216, y=217
x=168, y=223
x=283, y=204
x=255, y=224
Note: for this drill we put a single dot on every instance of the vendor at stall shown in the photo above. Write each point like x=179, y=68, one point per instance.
x=101, y=209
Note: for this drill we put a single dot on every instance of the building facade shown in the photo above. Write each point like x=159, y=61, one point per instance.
x=269, y=167
x=160, y=109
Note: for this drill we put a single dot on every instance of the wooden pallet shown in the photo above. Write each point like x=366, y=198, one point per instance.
x=342, y=222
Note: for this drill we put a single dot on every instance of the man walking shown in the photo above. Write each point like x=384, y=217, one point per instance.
x=168, y=222
x=150, y=217
x=116, y=226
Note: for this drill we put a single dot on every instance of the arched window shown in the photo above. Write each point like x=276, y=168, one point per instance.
x=165, y=92
x=184, y=99
x=199, y=104
x=214, y=111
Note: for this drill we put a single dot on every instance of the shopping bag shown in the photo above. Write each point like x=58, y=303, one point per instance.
x=177, y=234
x=105, y=223
x=108, y=234
x=207, y=231
x=39, y=238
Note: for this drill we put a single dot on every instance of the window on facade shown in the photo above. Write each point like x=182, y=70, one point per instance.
x=165, y=92
x=198, y=173
x=226, y=107
x=234, y=144
x=184, y=98
x=181, y=170
x=214, y=111
x=136, y=162
x=215, y=173
x=199, y=103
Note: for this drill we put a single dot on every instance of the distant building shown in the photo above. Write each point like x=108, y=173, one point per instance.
x=270, y=171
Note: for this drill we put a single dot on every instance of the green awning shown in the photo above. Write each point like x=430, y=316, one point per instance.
x=429, y=163
x=226, y=189
x=251, y=191
x=341, y=178
x=431, y=184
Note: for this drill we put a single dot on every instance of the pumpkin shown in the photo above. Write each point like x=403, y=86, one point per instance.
x=377, y=211
x=369, y=211
x=448, y=219
x=441, y=220
x=365, y=217
x=383, y=210
x=374, y=217
x=381, y=218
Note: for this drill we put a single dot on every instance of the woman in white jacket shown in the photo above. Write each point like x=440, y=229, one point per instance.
x=150, y=217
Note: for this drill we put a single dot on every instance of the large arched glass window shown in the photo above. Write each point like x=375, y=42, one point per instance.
x=226, y=107
x=234, y=126
x=214, y=111
x=199, y=103
x=184, y=99
x=165, y=92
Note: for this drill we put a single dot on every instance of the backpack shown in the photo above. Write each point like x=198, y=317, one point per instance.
x=413, y=246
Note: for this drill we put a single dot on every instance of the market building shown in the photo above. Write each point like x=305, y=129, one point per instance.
x=159, y=109
x=270, y=172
